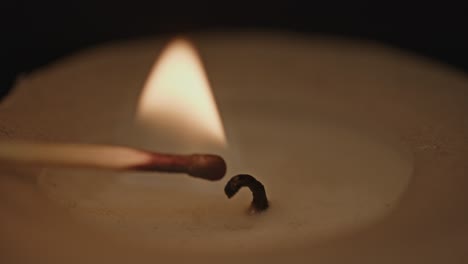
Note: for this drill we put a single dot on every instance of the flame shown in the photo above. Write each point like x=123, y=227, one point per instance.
x=177, y=91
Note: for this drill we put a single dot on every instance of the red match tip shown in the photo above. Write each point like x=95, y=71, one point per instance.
x=209, y=167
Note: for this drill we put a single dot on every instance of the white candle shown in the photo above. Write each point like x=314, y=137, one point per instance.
x=361, y=150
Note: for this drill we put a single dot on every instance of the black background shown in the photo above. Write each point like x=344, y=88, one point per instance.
x=37, y=32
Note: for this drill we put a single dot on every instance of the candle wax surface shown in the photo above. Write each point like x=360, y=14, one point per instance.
x=361, y=149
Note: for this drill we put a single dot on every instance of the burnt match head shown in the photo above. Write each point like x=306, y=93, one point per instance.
x=259, y=202
x=206, y=166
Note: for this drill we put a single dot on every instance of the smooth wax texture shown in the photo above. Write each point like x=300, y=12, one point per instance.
x=361, y=149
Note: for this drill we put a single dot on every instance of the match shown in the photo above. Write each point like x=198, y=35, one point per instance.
x=109, y=157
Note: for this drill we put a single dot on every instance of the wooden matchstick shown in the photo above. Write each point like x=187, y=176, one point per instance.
x=108, y=157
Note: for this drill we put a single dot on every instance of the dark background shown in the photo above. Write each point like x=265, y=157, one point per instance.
x=37, y=32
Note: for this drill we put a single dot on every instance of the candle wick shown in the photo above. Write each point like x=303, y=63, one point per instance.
x=259, y=202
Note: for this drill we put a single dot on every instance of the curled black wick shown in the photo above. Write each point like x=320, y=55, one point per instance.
x=259, y=202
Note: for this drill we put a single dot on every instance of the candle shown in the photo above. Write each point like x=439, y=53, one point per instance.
x=361, y=150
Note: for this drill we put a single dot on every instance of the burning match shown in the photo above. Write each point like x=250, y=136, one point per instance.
x=107, y=157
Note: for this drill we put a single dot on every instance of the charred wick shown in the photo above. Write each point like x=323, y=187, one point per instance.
x=259, y=202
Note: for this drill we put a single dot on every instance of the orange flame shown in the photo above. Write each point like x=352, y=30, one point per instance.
x=177, y=90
